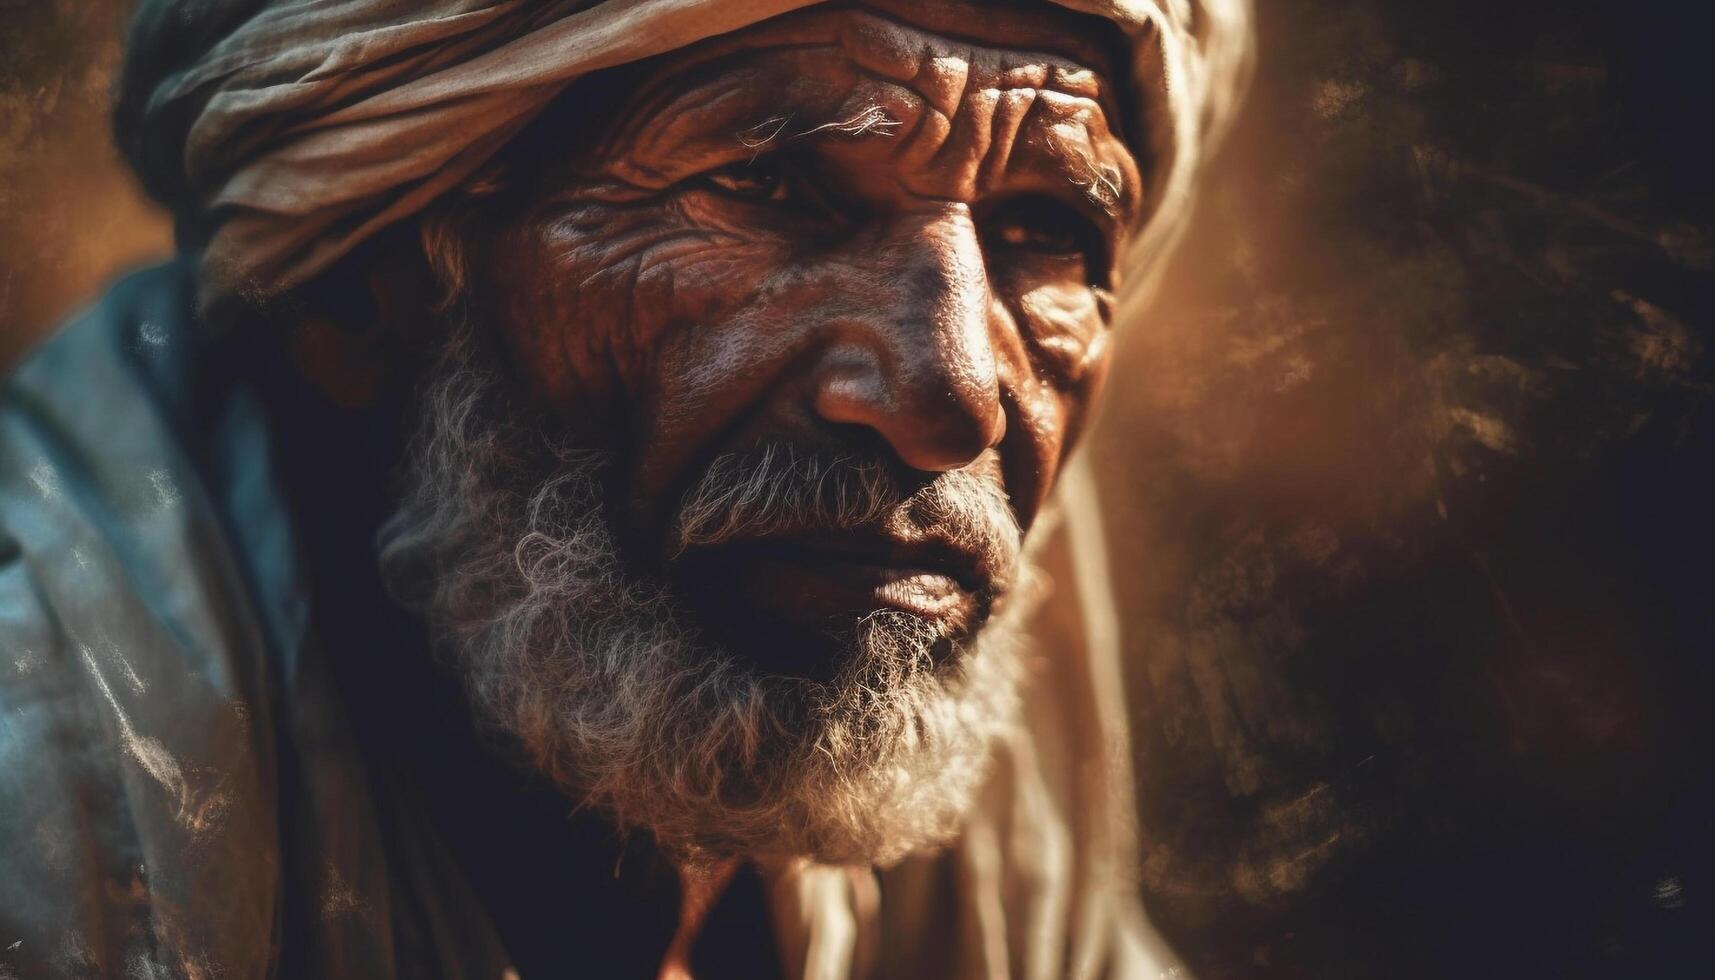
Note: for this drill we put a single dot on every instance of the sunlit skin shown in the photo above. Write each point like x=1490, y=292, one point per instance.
x=845, y=231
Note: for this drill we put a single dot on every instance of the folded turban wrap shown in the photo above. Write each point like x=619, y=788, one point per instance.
x=282, y=134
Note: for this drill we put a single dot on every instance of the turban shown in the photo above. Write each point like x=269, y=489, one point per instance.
x=283, y=133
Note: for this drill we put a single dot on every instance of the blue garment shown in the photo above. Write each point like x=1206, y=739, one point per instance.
x=180, y=794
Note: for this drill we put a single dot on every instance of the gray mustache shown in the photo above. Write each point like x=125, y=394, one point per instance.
x=777, y=491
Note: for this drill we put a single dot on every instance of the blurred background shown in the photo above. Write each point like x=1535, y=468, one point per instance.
x=71, y=217
x=1410, y=473
x=1412, y=476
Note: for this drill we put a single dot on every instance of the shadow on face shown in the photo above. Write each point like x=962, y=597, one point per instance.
x=845, y=235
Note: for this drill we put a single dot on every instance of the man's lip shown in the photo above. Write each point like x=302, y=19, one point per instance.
x=883, y=558
x=811, y=580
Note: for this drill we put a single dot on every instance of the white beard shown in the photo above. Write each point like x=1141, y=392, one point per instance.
x=608, y=688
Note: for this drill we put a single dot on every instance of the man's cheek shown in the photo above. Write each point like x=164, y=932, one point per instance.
x=1065, y=331
x=679, y=292
x=597, y=297
x=1045, y=414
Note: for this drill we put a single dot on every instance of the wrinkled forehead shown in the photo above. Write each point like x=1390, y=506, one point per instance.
x=936, y=51
x=902, y=41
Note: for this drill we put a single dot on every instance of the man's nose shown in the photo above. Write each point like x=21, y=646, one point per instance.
x=917, y=366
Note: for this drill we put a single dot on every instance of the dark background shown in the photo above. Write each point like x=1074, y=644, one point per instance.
x=1412, y=473
x=1409, y=469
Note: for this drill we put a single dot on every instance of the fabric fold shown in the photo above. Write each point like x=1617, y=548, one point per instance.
x=311, y=126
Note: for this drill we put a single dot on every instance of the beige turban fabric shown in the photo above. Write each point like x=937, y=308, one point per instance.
x=283, y=133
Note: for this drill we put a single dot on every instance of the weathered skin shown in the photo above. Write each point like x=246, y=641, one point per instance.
x=841, y=231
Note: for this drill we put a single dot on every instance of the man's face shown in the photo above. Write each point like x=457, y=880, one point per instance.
x=791, y=356
x=840, y=234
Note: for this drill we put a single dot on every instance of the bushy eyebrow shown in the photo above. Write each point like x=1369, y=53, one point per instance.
x=1030, y=126
x=1101, y=185
x=776, y=130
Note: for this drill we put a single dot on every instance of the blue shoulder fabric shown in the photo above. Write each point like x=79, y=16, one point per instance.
x=138, y=806
x=180, y=792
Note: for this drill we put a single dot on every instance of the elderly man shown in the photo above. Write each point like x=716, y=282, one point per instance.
x=575, y=507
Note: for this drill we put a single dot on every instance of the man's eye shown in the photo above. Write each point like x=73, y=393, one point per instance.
x=1044, y=226
x=758, y=180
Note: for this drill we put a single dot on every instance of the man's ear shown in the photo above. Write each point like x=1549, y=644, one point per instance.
x=361, y=325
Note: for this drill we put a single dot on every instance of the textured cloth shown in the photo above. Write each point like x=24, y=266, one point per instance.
x=281, y=134
x=180, y=792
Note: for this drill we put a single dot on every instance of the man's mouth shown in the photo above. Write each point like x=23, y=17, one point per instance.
x=812, y=584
